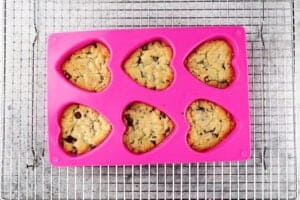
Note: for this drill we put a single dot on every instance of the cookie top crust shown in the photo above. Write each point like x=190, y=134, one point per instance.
x=210, y=63
x=87, y=68
x=146, y=126
x=82, y=129
x=209, y=124
x=149, y=65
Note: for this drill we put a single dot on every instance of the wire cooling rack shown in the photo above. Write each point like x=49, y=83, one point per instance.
x=25, y=171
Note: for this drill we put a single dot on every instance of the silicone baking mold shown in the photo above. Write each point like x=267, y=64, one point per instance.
x=173, y=100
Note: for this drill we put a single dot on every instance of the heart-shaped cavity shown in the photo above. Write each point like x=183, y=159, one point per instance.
x=82, y=129
x=210, y=63
x=149, y=65
x=147, y=127
x=209, y=124
x=87, y=68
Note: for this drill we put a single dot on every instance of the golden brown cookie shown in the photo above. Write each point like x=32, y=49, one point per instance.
x=87, y=68
x=209, y=124
x=82, y=129
x=149, y=66
x=210, y=63
x=146, y=126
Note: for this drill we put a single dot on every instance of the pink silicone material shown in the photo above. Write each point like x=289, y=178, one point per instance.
x=173, y=101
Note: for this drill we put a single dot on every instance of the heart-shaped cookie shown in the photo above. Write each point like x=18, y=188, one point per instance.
x=87, y=68
x=146, y=126
x=210, y=63
x=149, y=65
x=209, y=124
x=82, y=129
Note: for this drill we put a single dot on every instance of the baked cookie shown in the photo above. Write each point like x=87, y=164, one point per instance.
x=82, y=129
x=149, y=65
x=87, y=68
x=210, y=63
x=146, y=126
x=209, y=124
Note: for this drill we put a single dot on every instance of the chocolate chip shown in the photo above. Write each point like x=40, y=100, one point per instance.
x=101, y=79
x=200, y=108
x=206, y=79
x=153, y=142
x=70, y=139
x=223, y=82
x=92, y=146
x=129, y=120
x=223, y=66
x=215, y=135
x=94, y=45
x=67, y=75
x=201, y=62
x=77, y=115
x=145, y=47
x=167, y=130
x=162, y=115
x=155, y=58
x=139, y=61
x=209, y=131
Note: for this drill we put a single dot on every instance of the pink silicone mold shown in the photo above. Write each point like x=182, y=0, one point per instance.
x=173, y=100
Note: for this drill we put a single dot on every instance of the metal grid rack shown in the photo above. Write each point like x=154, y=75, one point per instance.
x=24, y=170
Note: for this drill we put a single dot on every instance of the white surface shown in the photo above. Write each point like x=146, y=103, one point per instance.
x=297, y=85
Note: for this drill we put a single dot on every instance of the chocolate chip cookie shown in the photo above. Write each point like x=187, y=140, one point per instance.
x=87, y=68
x=210, y=63
x=209, y=124
x=82, y=129
x=149, y=65
x=146, y=126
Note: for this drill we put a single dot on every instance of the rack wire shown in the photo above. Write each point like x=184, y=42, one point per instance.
x=25, y=171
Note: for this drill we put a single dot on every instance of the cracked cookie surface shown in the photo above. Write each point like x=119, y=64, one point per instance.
x=146, y=126
x=210, y=63
x=149, y=65
x=87, y=68
x=209, y=124
x=82, y=129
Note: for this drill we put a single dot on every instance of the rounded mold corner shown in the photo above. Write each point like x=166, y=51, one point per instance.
x=58, y=138
x=224, y=140
x=54, y=160
x=240, y=31
x=52, y=38
x=234, y=48
x=245, y=154
x=157, y=147
x=75, y=47
x=140, y=44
